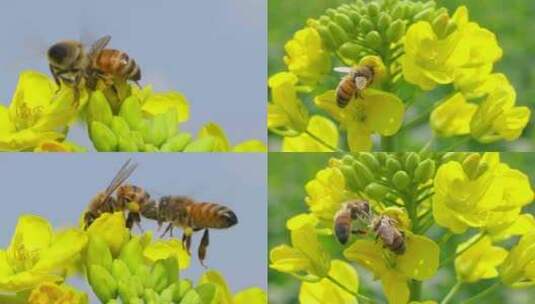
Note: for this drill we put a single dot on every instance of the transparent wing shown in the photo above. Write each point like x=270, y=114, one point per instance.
x=126, y=170
x=342, y=69
x=99, y=45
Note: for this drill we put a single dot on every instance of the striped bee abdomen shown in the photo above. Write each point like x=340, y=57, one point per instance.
x=117, y=63
x=345, y=91
x=210, y=215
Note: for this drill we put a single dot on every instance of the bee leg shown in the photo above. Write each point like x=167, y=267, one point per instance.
x=359, y=231
x=138, y=85
x=203, y=246
x=55, y=75
x=168, y=228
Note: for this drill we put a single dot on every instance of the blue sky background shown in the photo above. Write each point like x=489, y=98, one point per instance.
x=213, y=51
x=59, y=186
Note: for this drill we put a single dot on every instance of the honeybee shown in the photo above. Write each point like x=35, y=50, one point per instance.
x=392, y=237
x=191, y=216
x=355, y=81
x=70, y=63
x=128, y=198
x=343, y=219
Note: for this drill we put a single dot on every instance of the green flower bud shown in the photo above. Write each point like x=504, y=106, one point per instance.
x=384, y=22
x=132, y=114
x=370, y=160
x=143, y=272
x=395, y=31
x=424, y=15
x=365, y=25
x=126, y=144
x=373, y=39
x=411, y=162
x=181, y=289
x=157, y=131
x=98, y=253
x=344, y=21
x=381, y=157
x=150, y=148
x=339, y=34
x=158, y=277
x=132, y=254
x=376, y=191
x=137, y=137
x=135, y=301
x=205, y=144
x=363, y=172
x=120, y=127
x=102, y=282
x=355, y=17
x=112, y=301
x=401, y=180
x=331, y=12
x=326, y=37
x=481, y=169
x=171, y=268
x=102, y=137
x=176, y=143
x=440, y=23
x=99, y=109
x=424, y=171
x=166, y=295
x=150, y=296
x=138, y=284
x=324, y=20
x=191, y=297
x=120, y=270
x=350, y=50
x=392, y=165
x=471, y=164
x=127, y=291
x=351, y=178
x=373, y=9
x=398, y=12
x=450, y=28
x=348, y=159
x=429, y=5
x=207, y=292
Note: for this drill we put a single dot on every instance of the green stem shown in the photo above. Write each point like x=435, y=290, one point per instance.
x=416, y=290
x=387, y=143
x=420, y=119
x=456, y=254
x=324, y=143
x=457, y=144
x=483, y=293
x=454, y=289
x=355, y=294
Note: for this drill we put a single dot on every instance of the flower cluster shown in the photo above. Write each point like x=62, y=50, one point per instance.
x=428, y=197
x=125, y=118
x=119, y=267
x=412, y=47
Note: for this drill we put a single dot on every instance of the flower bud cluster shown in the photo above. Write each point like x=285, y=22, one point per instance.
x=130, y=278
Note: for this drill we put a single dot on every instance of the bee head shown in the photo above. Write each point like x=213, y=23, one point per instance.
x=62, y=53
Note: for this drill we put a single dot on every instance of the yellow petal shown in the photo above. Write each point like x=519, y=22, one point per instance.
x=26, y=139
x=250, y=146
x=359, y=138
x=421, y=258
x=223, y=294
x=288, y=259
x=6, y=125
x=368, y=253
x=32, y=234
x=384, y=111
x=111, y=227
x=452, y=117
x=5, y=269
x=479, y=261
x=320, y=127
x=65, y=246
x=34, y=93
x=27, y=280
x=396, y=287
x=251, y=296
x=161, y=103
x=163, y=249
x=212, y=129
x=325, y=291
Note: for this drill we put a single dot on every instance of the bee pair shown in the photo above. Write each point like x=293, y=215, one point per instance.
x=175, y=211
x=71, y=64
x=384, y=226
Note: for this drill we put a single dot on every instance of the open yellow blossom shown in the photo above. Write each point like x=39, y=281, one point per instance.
x=326, y=193
x=452, y=117
x=479, y=261
x=36, y=255
x=318, y=126
x=497, y=117
x=253, y=295
x=306, y=56
x=419, y=262
x=38, y=112
x=49, y=292
x=524, y=224
x=222, y=143
x=56, y=146
x=111, y=227
x=518, y=270
x=487, y=195
x=375, y=112
x=306, y=258
x=163, y=249
x=286, y=113
x=325, y=291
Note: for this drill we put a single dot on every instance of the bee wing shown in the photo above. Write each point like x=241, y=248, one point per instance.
x=121, y=176
x=342, y=69
x=99, y=45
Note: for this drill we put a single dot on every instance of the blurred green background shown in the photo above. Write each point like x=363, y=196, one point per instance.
x=511, y=20
x=288, y=174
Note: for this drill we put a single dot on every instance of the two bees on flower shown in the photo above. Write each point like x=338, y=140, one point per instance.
x=174, y=211
x=72, y=65
x=356, y=217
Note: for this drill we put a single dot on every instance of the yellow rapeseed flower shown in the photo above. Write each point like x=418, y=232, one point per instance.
x=320, y=127
x=163, y=249
x=52, y=293
x=111, y=227
x=222, y=143
x=36, y=254
x=286, y=113
x=325, y=291
x=306, y=57
x=518, y=270
x=419, y=262
x=253, y=295
x=375, y=112
x=38, y=112
x=452, y=117
x=479, y=261
x=306, y=258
